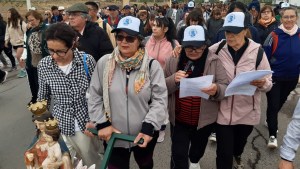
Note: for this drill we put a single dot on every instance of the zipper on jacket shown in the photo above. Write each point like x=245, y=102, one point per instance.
x=253, y=102
x=231, y=111
x=126, y=89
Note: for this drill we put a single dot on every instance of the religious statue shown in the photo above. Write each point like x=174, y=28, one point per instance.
x=43, y=151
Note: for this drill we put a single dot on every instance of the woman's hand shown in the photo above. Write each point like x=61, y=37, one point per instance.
x=211, y=90
x=176, y=52
x=179, y=75
x=30, y=156
x=146, y=138
x=283, y=164
x=258, y=83
x=87, y=126
x=106, y=133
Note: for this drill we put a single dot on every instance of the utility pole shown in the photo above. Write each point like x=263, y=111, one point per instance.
x=28, y=4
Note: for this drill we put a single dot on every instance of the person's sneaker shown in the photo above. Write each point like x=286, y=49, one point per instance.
x=213, y=137
x=4, y=78
x=22, y=73
x=272, y=142
x=12, y=69
x=194, y=166
x=237, y=163
x=161, y=136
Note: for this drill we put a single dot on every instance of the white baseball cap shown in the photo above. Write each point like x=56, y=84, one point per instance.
x=131, y=25
x=191, y=4
x=285, y=5
x=60, y=8
x=235, y=22
x=194, y=35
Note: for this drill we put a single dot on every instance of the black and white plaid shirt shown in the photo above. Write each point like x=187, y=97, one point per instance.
x=68, y=91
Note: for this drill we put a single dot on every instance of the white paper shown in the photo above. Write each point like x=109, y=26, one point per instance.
x=193, y=86
x=240, y=85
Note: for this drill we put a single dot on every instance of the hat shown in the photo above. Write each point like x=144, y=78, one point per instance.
x=78, y=7
x=32, y=8
x=174, y=2
x=127, y=7
x=113, y=7
x=285, y=5
x=191, y=4
x=61, y=8
x=234, y=22
x=194, y=35
x=131, y=25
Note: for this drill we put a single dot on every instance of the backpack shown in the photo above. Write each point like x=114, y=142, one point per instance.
x=258, y=58
x=275, y=41
x=104, y=26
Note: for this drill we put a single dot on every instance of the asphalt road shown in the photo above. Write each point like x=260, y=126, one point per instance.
x=17, y=131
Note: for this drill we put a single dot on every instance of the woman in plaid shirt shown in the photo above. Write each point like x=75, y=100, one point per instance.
x=63, y=75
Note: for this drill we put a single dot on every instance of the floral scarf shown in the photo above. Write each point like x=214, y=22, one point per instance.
x=138, y=61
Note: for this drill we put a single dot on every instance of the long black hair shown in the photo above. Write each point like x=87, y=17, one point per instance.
x=15, y=18
x=165, y=22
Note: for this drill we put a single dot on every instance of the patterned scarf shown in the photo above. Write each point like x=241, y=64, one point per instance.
x=138, y=61
x=266, y=23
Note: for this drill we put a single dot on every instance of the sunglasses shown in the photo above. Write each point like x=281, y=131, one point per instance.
x=197, y=50
x=46, y=14
x=129, y=39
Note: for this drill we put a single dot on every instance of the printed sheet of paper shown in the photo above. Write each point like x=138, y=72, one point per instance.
x=240, y=85
x=193, y=86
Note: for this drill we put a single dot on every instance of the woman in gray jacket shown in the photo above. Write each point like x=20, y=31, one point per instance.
x=128, y=94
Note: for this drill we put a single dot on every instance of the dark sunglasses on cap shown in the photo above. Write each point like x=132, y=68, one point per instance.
x=129, y=39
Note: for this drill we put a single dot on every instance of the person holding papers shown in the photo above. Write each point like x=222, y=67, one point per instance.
x=237, y=114
x=192, y=118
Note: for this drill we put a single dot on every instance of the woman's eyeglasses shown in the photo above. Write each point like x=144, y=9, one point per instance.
x=59, y=53
x=292, y=17
x=265, y=12
x=197, y=50
x=129, y=39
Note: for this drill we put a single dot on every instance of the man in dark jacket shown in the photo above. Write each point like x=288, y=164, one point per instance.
x=57, y=17
x=92, y=39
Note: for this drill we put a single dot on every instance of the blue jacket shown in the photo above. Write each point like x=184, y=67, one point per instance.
x=291, y=140
x=285, y=59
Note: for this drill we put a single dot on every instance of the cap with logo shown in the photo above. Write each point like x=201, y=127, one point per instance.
x=285, y=5
x=78, y=7
x=191, y=4
x=131, y=25
x=235, y=22
x=113, y=7
x=194, y=36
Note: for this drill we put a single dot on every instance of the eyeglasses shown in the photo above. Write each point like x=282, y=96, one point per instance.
x=292, y=17
x=197, y=50
x=46, y=14
x=129, y=39
x=58, y=52
x=265, y=12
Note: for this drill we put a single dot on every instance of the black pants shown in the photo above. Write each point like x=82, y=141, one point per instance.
x=231, y=142
x=33, y=82
x=188, y=143
x=120, y=157
x=2, y=74
x=276, y=97
x=9, y=54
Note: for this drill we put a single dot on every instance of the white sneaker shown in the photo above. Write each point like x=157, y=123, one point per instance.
x=213, y=137
x=194, y=166
x=161, y=136
x=272, y=142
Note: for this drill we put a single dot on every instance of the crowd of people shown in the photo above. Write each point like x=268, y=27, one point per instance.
x=119, y=71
